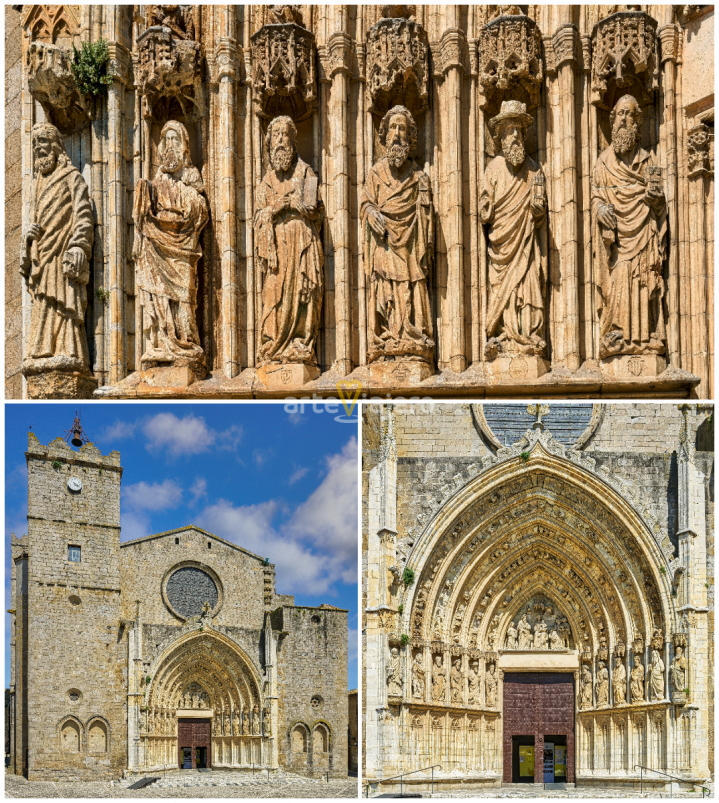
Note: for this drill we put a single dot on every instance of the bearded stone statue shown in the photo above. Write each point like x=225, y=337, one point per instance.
x=289, y=250
x=170, y=213
x=629, y=208
x=513, y=205
x=396, y=213
x=55, y=261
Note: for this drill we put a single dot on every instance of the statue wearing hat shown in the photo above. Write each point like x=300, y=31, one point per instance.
x=55, y=259
x=170, y=213
x=629, y=208
x=513, y=205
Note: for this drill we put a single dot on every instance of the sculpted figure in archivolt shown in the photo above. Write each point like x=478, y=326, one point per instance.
x=55, y=258
x=396, y=212
x=290, y=251
x=513, y=204
x=170, y=213
x=629, y=207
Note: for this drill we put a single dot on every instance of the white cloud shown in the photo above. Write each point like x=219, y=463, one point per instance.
x=261, y=456
x=117, y=431
x=317, y=547
x=352, y=645
x=134, y=525
x=151, y=496
x=230, y=438
x=295, y=417
x=297, y=475
x=179, y=436
x=198, y=490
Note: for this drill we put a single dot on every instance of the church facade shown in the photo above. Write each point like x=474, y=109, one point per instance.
x=444, y=200
x=169, y=651
x=538, y=595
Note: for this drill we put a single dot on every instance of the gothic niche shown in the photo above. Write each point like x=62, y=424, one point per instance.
x=397, y=62
x=168, y=64
x=194, y=696
x=52, y=84
x=539, y=626
x=510, y=53
x=284, y=81
x=624, y=57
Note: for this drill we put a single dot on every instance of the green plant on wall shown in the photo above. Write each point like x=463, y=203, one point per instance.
x=408, y=577
x=89, y=67
x=404, y=639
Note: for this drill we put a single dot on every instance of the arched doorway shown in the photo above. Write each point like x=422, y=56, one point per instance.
x=203, y=707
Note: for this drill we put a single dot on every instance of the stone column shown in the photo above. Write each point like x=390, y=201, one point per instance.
x=339, y=49
x=451, y=46
x=669, y=36
x=273, y=696
x=250, y=182
x=226, y=60
x=477, y=252
x=135, y=759
x=566, y=43
x=116, y=195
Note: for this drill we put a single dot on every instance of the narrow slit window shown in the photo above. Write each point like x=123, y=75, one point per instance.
x=74, y=553
x=209, y=544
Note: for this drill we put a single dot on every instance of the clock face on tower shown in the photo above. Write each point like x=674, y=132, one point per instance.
x=74, y=485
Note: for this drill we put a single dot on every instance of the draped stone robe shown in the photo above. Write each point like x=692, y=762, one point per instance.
x=169, y=214
x=62, y=207
x=291, y=257
x=398, y=263
x=629, y=261
x=517, y=273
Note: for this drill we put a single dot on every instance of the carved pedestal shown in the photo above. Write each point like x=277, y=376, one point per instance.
x=287, y=376
x=399, y=373
x=172, y=376
x=633, y=366
x=519, y=368
x=61, y=385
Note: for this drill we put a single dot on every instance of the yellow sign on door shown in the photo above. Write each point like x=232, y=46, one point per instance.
x=526, y=761
x=560, y=760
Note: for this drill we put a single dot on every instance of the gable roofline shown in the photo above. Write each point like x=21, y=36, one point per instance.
x=199, y=530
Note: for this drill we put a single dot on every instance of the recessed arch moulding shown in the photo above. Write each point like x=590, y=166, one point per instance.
x=540, y=561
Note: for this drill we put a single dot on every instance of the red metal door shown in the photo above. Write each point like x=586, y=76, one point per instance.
x=194, y=740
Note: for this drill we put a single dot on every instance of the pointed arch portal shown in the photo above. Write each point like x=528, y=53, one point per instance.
x=203, y=707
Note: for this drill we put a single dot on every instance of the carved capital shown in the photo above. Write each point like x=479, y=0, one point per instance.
x=120, y=62
x=566, y=46
x=699, y=151
x=339, y=54
x=386, y=536
x=226, y=59
x=669, y=39
x=473, y=53
x=450, y=51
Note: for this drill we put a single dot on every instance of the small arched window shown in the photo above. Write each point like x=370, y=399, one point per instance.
x=320, y=740
x=298, y=739
x=97, y=737
x=70, y=737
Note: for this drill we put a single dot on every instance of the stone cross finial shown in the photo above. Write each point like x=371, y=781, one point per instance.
x=538, y=410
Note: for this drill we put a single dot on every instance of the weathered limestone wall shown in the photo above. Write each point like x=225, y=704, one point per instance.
x=312, y=684
x=346, y=92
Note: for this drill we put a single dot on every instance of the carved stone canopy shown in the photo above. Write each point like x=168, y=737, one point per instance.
x=284, y=80
x=168, y=75
x=52, y=84
x=624, y=53
x=510, y=59
x=397, y=65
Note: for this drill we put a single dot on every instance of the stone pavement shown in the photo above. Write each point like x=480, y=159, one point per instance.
x=586, y=793
x=196, y=785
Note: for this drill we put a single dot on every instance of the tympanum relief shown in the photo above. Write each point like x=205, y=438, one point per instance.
x=539, y=627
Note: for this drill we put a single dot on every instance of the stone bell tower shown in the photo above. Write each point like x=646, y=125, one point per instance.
x=68, y=667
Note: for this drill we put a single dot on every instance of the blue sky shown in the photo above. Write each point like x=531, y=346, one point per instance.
x=279, y=482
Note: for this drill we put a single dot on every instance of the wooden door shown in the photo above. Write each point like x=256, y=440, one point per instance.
x=194, y=741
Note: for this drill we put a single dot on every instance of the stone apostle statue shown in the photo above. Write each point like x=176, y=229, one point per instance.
x=619, y=682
x=394, y=674
x=678, y=671
x=55, y=258
x=490, y=684
x=586, y=687
x=510, y=641
x=629, y=207
x=289, y=250
x=602, y=684
x=170, y=213
x=396, y=212
x=473, y=684
x=656, y=676
x=439, y=679
x=418, y=675
x=456, y=679
x=636, y=680
x=513, y=204
x=524, y=630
